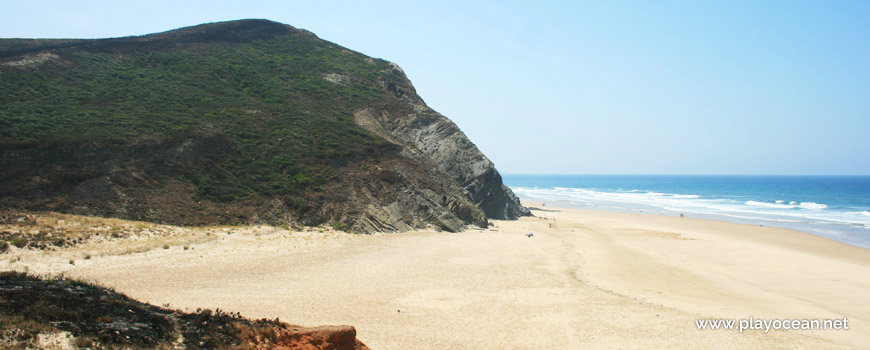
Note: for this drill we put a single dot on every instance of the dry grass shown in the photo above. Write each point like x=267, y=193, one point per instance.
x=25, y=237
x=54, y=243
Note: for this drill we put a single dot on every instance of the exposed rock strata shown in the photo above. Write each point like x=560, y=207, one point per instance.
x=430, y=135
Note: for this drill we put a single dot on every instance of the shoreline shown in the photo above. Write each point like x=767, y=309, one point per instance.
x=804, y=227
x=813, y=240
x=585, y=280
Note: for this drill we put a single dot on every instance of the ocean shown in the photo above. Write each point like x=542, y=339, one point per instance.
x=834, y=207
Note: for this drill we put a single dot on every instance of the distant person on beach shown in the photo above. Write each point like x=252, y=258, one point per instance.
x=681, y=215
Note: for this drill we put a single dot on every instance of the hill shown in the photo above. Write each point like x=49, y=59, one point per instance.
x=247, y=121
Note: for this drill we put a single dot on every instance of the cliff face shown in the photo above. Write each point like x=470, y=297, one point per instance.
x=430, y=135
x=237, y=122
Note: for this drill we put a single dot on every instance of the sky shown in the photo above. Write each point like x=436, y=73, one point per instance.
x=583, y=87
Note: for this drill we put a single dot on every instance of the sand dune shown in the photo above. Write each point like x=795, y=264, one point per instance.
x=586, y=280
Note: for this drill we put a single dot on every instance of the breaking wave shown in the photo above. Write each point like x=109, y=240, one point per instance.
x=776, y=210
x=807, y=204
x=813, y=206
x=791, y=205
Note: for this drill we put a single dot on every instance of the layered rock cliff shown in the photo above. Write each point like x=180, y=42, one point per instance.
x=237, y=122
x=429, y=135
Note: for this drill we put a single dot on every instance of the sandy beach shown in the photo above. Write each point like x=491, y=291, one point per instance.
x=585, y=280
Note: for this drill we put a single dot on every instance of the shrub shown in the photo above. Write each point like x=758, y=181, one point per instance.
x=301, y=179
x=338, y=226
x=19, y=242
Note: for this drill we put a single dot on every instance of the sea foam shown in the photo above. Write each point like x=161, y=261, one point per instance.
x=778, y=210
x=777, y=205
x=790, y=205
x=738, y=199
x=813, y=206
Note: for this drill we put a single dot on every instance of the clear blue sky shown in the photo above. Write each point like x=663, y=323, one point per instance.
x=583, y=87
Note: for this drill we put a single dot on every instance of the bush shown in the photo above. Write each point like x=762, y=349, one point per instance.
x=19, y=242
x=300, y=179
x=297, y=204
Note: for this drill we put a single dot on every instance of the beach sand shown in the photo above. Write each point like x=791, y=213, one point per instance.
x=585, y=280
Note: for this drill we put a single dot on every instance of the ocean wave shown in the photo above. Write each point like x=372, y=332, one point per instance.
x=813, y=206
x=797, y=212
x=790, y=205
x=771, y=205
x=807, y=216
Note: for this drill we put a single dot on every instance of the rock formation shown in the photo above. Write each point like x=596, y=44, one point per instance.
x=430, y=136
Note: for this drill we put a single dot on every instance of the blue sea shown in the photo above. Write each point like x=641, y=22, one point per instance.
x=834, y=207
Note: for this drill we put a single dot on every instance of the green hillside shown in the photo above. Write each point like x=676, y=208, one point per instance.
x=247, y=121
x=267, y=94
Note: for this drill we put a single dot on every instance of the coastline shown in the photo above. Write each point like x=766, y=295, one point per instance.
x=804, y=228
x=833, y=207
x=585, y=280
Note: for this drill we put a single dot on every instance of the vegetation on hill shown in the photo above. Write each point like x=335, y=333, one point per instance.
x=233, y=122
x=270, y=96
